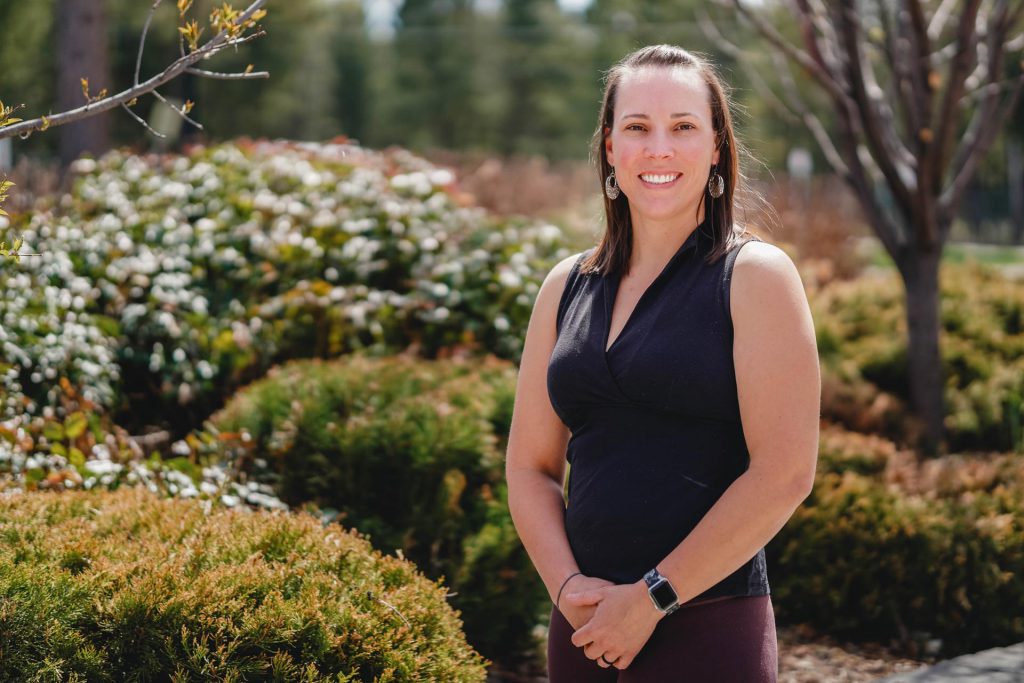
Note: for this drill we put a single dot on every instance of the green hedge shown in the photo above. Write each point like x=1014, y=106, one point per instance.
x=409, y=452
x=862, y=340
x=888, y=549
x=126, y=586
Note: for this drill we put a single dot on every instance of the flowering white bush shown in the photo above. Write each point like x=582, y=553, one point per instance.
x=166, y=282
x=173, y=279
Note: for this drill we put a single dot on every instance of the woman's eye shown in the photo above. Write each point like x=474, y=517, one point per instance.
x=681, y=126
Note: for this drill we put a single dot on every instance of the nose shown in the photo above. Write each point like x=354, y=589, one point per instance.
x=659, y=148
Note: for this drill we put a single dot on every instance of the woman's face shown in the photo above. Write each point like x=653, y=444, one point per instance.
x=662, y=143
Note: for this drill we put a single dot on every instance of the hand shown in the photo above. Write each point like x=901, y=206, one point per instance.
x=578, y=615
x=622, y=623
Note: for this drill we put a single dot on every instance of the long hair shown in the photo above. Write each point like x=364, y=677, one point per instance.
x=614, y=250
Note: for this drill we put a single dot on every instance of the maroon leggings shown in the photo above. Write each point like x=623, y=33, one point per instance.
x=722, y=641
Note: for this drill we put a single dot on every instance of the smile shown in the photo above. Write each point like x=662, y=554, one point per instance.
x=660, y=178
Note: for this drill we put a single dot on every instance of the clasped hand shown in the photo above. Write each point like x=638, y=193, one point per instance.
x=613, y=621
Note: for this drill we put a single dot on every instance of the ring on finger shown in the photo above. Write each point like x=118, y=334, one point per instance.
x=605, y=660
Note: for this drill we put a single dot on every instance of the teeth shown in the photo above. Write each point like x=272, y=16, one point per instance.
x=659, y=179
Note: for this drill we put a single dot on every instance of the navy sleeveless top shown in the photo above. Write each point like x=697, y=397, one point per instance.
x=655, y=421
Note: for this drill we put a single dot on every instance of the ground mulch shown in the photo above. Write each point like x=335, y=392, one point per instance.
x=804, y=657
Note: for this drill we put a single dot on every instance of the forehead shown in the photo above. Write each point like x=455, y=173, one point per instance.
x=655, y=90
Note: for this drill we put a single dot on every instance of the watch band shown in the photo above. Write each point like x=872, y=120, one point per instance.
x=661, y=592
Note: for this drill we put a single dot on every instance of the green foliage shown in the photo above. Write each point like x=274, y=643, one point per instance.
x=865, y=559
x=408, y=452
x=861, y=329
x=78, y=446
x=124, y=586
x=182, y=278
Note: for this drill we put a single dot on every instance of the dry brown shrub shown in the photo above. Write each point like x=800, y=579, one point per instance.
x=823, y=222
x=565, y=192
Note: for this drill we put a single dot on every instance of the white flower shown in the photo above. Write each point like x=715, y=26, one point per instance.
x=509, y=278
x=83, y=165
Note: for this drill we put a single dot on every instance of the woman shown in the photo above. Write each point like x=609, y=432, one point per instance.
x=677, y=373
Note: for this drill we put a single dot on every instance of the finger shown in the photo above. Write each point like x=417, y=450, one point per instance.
x=583, y=598
x=583, y=638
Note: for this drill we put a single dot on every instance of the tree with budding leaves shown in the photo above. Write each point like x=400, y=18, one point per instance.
x=231, y=28
x=917, y=92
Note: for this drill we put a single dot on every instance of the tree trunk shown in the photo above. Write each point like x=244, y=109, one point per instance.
x=1015, y=186
x=82, y=53
x=920, y=271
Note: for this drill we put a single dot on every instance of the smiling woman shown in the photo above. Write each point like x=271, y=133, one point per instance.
x=677, y=373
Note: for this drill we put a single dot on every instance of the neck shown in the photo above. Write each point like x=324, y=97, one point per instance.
x=654, y=241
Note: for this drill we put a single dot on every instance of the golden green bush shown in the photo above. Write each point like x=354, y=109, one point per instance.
x=124, y=585
x=409, y=452
x=862, y=340
x=891, y=549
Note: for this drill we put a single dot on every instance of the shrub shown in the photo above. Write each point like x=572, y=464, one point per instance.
x=124, y=586
x=861, y=330
x=409, y=452
x=886, y=548
x=77, y=446
x=166, y=282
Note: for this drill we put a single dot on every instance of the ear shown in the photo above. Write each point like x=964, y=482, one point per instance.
x=714, y=157
x=608, y=146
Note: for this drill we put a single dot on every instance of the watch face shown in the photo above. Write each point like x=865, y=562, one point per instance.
x=663, y=594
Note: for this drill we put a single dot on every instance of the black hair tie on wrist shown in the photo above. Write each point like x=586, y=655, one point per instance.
x=557, y=599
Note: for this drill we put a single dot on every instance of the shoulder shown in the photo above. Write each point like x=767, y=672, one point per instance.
x=554, y=283
x=765, y=281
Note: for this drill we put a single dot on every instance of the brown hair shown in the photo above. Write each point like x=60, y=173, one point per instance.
x=613, y=252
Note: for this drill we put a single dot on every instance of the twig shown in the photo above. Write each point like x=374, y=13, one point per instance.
x=173, y=70
x=228, y=76
x=142, y=121
x=370, y=595
x=177, y=111
x=142, y=38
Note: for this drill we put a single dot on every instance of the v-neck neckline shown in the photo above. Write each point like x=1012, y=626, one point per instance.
x=611, y=292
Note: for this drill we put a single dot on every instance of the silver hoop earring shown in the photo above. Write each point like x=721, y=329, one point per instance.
x=716, y=184
x=611, y=188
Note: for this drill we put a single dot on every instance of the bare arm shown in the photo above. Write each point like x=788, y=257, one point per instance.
x=779, y=389
x=778, y=383
x=535, y=461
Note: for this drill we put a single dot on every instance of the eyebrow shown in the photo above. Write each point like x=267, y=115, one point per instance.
x=645, y=116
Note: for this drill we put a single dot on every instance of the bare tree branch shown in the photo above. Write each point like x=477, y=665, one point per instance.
x=939, y=19
x=869, y=117
x=989, y=117
x=142, y=39
x=228, y=76
x=812, y=122
x=901, y=85
x=175, y=69
x=179, y=112
x=142, y=121
x=938, y=154
x=811, y=65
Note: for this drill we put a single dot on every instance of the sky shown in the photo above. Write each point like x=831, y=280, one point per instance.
x=380, y=13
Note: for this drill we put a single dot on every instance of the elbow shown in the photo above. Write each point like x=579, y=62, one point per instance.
x=802, y=484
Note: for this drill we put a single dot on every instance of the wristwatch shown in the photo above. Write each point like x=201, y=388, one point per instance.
x=663, y=595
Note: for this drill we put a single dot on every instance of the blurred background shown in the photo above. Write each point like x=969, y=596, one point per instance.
x=475, y=85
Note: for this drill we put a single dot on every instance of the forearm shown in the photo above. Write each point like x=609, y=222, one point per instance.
x=748, y=515
x=538, y=512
